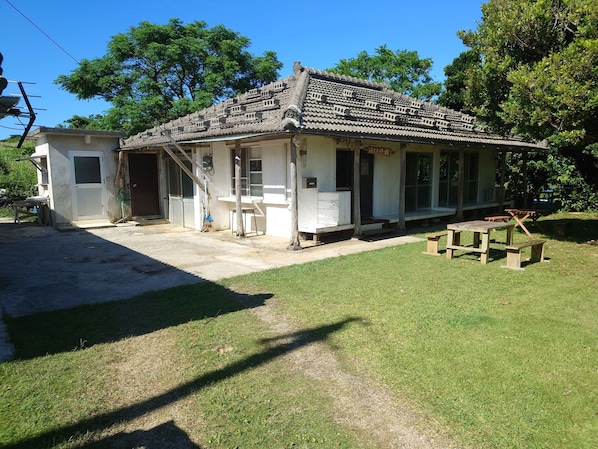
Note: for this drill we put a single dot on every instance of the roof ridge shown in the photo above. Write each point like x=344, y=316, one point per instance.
x=292, y=115
x=350, y=79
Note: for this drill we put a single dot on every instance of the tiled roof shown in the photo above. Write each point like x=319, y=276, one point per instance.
x=323, y=103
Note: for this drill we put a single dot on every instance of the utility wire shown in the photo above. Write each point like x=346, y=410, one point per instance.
x=43, y=32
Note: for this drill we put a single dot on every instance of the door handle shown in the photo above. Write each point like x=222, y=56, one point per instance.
x=134, y=185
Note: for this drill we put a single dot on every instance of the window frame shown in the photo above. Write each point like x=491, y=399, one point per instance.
x=252, y=175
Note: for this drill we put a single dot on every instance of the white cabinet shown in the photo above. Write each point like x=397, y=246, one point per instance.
x=334, y=208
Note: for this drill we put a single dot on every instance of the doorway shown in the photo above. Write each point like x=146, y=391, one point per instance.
x=143, y=173
x=344, y=178
x=366, y=184
x=88, y=187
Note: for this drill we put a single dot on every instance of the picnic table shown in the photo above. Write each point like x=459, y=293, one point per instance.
x=32, y=207
x=520, y=215
x=481, y=236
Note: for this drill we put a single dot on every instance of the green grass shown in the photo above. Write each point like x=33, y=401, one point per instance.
x=497, y=358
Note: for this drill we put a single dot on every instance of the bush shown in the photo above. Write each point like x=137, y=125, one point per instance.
x=17, y=178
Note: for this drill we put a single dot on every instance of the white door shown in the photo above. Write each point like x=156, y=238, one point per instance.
x=88, y=185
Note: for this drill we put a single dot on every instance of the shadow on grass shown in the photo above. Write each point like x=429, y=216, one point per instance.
x=166, y=435
x=84, y=326
x=273, y=349
x=569, y=229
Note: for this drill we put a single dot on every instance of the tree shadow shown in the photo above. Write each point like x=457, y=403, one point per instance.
x=46, y=269
x=163, y=436
x=273, y=349
x=569, y=229
x=61, y=291
x=84, y=326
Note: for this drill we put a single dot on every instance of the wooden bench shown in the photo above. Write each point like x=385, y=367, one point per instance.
x=504, y=218
x=433, y=240
x=514, y=253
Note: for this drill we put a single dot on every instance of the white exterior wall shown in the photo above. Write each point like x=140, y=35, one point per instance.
x=319, y=161
x=316, y=159
x=56, y=148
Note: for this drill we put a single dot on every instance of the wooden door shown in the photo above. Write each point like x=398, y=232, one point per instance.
x=143, y=172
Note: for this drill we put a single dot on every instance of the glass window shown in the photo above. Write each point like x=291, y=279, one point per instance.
x=344, y=169
x=418, y=184
x=186, y=181
x=179, y=183
x=87, y=170
x=174, y=178
x=449, y=177
x=251, y=172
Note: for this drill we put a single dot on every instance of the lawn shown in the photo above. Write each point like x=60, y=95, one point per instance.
x=489, y=357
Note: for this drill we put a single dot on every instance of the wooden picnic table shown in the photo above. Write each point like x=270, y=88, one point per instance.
x=32, y=207
x=520, y=215
x=481, y=236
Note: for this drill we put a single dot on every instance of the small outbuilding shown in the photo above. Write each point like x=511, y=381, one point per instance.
x=76, y=173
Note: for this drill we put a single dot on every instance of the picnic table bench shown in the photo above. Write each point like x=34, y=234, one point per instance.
x=514, y=253
x=433, y=240
x=504, y=218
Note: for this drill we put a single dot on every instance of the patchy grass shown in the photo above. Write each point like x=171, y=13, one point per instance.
x=493, y=357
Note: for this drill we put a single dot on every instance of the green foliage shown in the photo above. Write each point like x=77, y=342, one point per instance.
x=538, y=75
x=155, y=73
x=402, y=70
x=455, y=84
x=94, y=121
x=19, y=178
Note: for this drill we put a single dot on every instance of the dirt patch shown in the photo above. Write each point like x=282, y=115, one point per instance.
x=359, y=402
x=143, y=370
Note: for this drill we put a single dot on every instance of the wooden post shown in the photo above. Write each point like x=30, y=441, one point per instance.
x=461, y=186
x=238, y=207
x=294, y=244
x=357, y=188
x=402, y=182
x=501, y=189
x=525, y=199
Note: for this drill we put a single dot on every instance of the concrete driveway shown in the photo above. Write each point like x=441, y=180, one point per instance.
x=43, y=269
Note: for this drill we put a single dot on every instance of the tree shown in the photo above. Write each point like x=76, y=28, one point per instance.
x=156, y=73
x=455, y=83
x=402, y=70
x=538, y=76
x=94, y=121
x=17, y=176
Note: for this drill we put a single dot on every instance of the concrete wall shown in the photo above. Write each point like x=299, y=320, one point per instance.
x=58, y=146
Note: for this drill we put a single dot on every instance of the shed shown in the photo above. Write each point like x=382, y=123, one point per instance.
x=76, y=173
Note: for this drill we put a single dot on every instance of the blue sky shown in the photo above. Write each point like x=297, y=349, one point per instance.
x=318, y=33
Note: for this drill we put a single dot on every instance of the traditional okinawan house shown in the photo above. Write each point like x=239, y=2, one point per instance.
x=315, y=153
